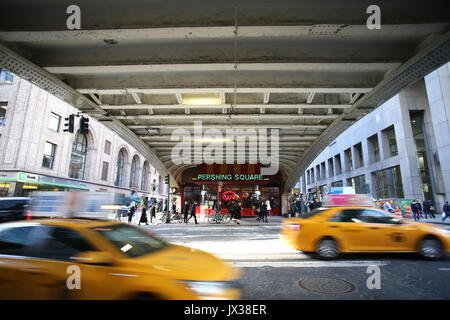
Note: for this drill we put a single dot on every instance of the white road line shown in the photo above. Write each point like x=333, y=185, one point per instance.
x=307, y=264
x=444, y=269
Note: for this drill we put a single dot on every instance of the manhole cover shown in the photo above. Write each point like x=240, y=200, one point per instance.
x=326, y=285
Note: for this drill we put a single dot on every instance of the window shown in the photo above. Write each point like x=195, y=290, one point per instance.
x=134, y=172
x=131, y=241
x=330, y=168
x=348, y=160
x=374, y=149
x=389, y=134
x=13, y=241
x=62, y=243
x=337, y=162
x=145, y=173
x=78, y=156
x=337, y=184
x=388, y=183
x=359, y=184
x=105, y=168
x=54, y=122
x=120, y=166
x=3, y=108
x=375, y=216
x=5, y=77
x=49, y=155
x=359, y=159
x=349, y=215
x=107, y=147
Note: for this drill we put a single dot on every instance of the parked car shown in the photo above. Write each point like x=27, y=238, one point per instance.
x=14, y=208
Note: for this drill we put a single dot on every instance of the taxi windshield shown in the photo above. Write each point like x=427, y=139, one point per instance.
x=131, y=241
x=312, y=213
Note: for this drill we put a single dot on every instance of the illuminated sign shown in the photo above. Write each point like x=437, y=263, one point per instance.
x=230, y=177
x=229, y=195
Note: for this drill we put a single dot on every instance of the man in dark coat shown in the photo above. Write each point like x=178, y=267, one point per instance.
x=144, y=204
x=416, y=208
x=272, y=206
x=153, y=212
x=237, y=212
x=426, y=208
x=185, y=211
x=192, y=212
x=264, y=211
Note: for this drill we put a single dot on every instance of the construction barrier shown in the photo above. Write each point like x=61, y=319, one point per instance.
x=398, y=212
x=408, y=212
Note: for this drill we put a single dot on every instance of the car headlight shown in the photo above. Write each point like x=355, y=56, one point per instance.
x=210, y=288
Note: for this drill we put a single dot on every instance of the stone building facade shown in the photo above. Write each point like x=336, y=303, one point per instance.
x=400, y=150
x=36, y=154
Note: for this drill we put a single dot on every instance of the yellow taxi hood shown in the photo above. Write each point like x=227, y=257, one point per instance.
x=183, y=263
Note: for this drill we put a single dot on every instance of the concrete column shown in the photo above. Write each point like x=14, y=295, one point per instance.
x=438, y=90
x=383, y=143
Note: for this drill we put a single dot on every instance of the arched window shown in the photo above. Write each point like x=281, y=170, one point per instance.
x=120, y=165
x=134, y=172
x=145, y=173
x=78, y=156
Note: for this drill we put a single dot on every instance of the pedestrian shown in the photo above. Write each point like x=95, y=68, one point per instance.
x=185, y=211
x=446, y=209
x=264, y=212
x=272, y=206
x=258, y=210
x=131, y=211
x=237, y=212
x=153, y=212
x=174, y=208
x=269, y=207
x=432, y=210
x=298, y=207
x=416, y=208
x=426, y=208
x=144, y=204
x=231, y=209
x=192, y=212
x=292, y=208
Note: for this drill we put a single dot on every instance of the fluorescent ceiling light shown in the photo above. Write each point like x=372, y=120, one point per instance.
x=201, y=99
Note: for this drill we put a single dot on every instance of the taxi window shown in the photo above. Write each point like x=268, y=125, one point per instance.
x=130, y=240
x=13, y=241
x=312, y=213
x=375, y=216
x=348, y=215
x=61, y=243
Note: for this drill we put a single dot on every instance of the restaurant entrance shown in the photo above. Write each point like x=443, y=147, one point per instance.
x=209, y=194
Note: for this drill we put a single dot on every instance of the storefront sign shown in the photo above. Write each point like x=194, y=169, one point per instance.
x=230, y=177
x=34, y=178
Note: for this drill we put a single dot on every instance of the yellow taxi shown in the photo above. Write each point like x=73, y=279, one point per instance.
x=329, y=231
x=91, y=259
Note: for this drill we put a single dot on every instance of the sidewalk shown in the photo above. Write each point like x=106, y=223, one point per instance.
x=437, y=220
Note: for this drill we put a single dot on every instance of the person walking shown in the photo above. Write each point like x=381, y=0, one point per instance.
x=292, y=208
x=426, y=208
x=446, y=209
x=298, y=207
x=144, y=204
x=432, y=209
x=237, y=212
x=272, y=206
x=192, y=212
x=258, y=209
x=416, y=208
x=131, y=211
x=269, y=207
x=185, y=211
x=153, y=212
x=264, y=212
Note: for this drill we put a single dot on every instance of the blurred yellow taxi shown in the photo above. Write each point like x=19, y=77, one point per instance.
x=329, y=231
x=90, y=259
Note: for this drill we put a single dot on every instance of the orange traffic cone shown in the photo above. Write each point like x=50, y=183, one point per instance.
x=408, y=212
x=398, y=212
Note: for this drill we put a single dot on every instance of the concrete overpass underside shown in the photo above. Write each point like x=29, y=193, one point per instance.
x=308, y=68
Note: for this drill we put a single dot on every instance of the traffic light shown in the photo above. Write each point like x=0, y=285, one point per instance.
x=167, y=179
x=84, y=125
x=69, y=123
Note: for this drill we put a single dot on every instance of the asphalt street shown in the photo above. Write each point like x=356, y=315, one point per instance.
x=273, y=270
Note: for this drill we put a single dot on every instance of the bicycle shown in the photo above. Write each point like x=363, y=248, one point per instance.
x=177, y=217
x=219, y=218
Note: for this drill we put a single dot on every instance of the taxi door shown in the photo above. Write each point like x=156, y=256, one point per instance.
x=352, y=233
x=389, y=232
x=56, y=275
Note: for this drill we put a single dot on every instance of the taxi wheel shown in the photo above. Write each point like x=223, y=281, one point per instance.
x=327, y=248
x=431, y=248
